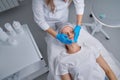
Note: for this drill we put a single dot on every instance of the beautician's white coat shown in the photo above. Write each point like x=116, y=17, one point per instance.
x=44, y=17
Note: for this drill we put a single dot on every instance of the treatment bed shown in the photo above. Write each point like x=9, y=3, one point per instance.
x=85, y=38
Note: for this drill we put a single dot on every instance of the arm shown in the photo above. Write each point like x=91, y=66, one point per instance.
x=77, y=28
x=66, y=77
x=79, y=6
x=37, y=6
x=79, y=19
x=52, y=32
x=106, y=68
x=38, y=11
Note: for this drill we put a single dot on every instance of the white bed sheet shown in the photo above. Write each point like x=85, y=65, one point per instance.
x=55, y=47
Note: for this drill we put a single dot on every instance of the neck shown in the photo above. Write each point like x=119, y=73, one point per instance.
x=73, y=48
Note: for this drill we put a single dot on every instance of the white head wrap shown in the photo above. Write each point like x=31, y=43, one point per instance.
x=62, y=25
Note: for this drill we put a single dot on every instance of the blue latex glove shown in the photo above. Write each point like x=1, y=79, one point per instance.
x=63, y=38
x=76, y=32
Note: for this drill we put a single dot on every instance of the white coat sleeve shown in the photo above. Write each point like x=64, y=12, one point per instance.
x=79, y=6
x=37, y=6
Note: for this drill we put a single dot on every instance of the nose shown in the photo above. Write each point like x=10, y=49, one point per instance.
x=69, y=35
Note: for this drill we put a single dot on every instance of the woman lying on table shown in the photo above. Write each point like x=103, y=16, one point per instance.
x=81, y=62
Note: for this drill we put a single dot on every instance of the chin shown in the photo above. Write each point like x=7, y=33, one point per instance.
x=72, y=39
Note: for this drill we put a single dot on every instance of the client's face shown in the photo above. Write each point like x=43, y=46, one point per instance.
x=69, y=31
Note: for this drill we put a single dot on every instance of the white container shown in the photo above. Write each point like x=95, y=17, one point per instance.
x=18, y=27
x=12, y=41
x=3, y=36
x=9, y=29
x=6, y=39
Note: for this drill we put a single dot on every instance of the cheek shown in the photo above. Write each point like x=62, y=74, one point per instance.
x=72, y=33
x=72, y=36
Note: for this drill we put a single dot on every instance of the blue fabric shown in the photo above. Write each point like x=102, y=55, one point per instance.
x=63, y=38
x=76, y=32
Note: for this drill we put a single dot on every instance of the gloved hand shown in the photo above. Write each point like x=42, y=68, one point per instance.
x=63, y=38
x=76, y=32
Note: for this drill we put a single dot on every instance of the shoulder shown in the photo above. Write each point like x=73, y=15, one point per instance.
x=78, y=1
x=88, y=48
x=95, y=52
x=91, y=48
x=60, y=57
x=38, y=2
x=38, y=5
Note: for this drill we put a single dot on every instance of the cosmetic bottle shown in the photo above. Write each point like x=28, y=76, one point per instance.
x=3, y=36
x=18, y=27
x=9, y=29
x=6, y=39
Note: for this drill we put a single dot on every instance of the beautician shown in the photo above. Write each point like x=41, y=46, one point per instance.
x=47, y=13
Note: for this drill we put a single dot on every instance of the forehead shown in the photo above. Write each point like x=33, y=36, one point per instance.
x=67, y=28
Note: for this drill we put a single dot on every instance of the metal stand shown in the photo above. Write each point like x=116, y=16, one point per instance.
x=96, y=27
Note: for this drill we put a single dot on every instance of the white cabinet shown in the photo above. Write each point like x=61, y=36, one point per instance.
x=23, y=60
